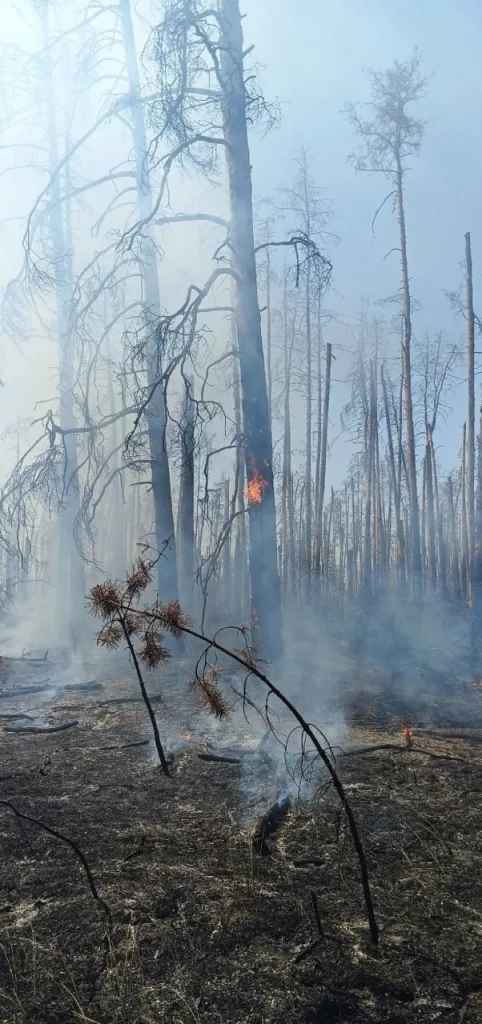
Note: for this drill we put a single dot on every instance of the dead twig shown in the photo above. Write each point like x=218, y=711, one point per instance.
x=41, y=729
x=70, y=842
x=306, y=952
x=317, y=913
x=138, y=850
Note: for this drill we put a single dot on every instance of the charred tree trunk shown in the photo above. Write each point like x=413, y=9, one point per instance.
x=470, y=410
x=477, y=577
x=465, y=533
x=226, y=564
x=186, y=531
x=400, y=547
x=241, y=574
x=287, y=523
x=439, y=519
x=416, y=556
x=320, y=497
x=265, y=586
x=430, y=516
x=155, y=412
x=72, y=569
x=454, y=541
x=369, y=453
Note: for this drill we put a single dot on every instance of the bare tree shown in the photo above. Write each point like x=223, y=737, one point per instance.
x=206, y=102
x=388, y=140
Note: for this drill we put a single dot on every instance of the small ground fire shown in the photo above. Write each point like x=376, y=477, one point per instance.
x=407, y=732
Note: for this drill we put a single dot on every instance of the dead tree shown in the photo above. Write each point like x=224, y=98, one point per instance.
x=186, y=498
x=470, y=408
x=387, y=140
x=212, y=89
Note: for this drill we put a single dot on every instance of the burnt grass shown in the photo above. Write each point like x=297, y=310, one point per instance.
x=202, y=930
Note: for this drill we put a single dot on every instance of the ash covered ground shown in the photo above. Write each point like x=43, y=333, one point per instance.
x=202, y=930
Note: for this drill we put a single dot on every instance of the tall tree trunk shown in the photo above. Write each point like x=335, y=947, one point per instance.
x=369, y=452
x=430, y=521
x=454, y=541
x=471, y=409
x=156, y=412
x=416, y=556
x=400, y=548
x=241, y=573
x=265, y=586
x=308, y=455
x=477, y=578
x=286, y=483
x=465, y=532
x=186, y=499
x=118, y=508
x=320, y=496
x=226, y=565
x=269, y=334
x=72, y=570
x=439, y=519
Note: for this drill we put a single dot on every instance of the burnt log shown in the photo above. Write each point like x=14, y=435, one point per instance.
x=268, y=824
x=41, y=729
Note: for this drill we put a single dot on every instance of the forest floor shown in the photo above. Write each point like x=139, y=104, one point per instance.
x=202, y=930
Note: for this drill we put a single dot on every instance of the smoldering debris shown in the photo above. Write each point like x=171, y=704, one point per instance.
x=268, y=824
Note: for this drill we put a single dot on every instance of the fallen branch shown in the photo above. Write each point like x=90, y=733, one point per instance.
x=41, y=728
x=138, y=850
x=220, y=758
x=25, y=691
x=127, y=700
x=305, y=862
x=14, y=717
x=70, y=842
x=306, y=952
x=124, y=746
x=370, y=750
x=313, y=945
x=91, y=687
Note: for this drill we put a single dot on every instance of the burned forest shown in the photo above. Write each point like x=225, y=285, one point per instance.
x=240, y=513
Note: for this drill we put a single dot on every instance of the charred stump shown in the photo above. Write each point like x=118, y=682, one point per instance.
x=268, y=824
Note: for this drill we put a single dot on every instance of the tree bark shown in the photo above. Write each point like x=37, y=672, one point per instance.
x=71, y=568
x=265, y=586
x=416, y=556
x=465, y=532
x=477, y=577
x=400, y=549
x=186, y=500
x=156, y=412
x=470, y=410
x=320, y=496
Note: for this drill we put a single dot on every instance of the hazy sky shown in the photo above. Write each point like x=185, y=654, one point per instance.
x=312, y=54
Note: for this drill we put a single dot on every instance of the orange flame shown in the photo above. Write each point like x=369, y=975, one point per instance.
x=407, y=732
x=188, y=736
x=257, y=484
